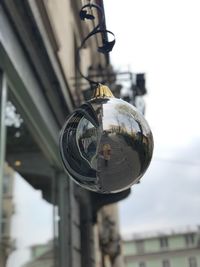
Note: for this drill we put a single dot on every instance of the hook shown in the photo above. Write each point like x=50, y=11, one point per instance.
x=99, y=29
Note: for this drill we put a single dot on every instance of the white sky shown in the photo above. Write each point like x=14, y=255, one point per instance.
x=161, y=38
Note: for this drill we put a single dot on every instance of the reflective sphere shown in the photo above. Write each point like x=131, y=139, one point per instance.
x=106, y=145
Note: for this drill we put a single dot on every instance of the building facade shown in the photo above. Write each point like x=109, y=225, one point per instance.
x=7, y=213
x=164, y=249
x=39, y=87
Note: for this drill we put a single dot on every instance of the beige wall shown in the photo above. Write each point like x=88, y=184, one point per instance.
x=69, y=32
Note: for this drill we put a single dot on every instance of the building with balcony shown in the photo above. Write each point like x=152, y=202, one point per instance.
x=173, y=248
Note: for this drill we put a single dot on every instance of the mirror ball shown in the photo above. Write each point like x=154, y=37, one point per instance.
x=106, y=144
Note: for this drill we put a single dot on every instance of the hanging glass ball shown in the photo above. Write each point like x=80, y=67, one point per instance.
x=106, y=145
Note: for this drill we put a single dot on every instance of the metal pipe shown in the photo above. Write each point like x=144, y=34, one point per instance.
x=3, y=100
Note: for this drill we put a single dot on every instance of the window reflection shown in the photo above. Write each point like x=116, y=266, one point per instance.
x=87, y=139
x=80, y=136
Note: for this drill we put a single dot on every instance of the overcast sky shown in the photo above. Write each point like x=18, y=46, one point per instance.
x=161, y=38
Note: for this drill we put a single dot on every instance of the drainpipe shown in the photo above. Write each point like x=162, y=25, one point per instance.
x=3, y=99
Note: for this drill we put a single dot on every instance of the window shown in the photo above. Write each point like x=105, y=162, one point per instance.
x=189, y=239
x=166, y=263
x=142, y=264
x=140, y=246
x=192, y=262
x=163, y=242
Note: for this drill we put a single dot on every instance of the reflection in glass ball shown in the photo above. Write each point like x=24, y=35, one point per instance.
x=106, y=145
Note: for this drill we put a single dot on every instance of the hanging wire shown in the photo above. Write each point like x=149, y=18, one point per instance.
x=106, y=47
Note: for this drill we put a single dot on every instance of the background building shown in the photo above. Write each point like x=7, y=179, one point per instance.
x=7, y=245
x=173, y=248
x=41, y=256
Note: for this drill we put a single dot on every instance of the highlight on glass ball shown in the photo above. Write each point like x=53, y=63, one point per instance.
x=106, y=145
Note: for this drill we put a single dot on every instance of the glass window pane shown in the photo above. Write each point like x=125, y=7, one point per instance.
x=189, y=239
x=166, y=263
x=140, y=246
x=163, y=242
x=192, y=262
